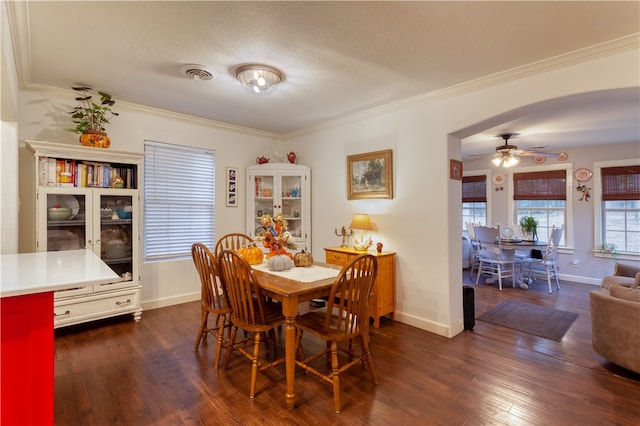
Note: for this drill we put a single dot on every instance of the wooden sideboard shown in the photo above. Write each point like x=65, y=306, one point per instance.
x=383, y=294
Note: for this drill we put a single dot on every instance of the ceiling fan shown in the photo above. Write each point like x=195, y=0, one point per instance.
x=509, y=155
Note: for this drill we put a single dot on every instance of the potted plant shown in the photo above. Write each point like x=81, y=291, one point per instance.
x=529, y=227
x=90, y=117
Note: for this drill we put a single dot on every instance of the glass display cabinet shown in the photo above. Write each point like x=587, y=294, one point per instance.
x=274, y=188
x=74, y=198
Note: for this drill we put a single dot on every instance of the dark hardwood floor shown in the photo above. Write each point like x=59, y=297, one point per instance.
x=117, y=372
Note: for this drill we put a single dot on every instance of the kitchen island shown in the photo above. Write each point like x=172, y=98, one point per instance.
x=27, y=283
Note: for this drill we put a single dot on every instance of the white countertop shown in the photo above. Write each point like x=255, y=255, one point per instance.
x=29, y=273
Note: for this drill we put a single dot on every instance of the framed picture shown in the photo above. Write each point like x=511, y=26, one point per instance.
x=370, y=175
x=232, y=187
x=455, y=170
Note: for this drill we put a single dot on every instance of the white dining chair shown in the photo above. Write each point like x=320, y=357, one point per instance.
x=475, y=261
x=549, y=262
x=492, y=259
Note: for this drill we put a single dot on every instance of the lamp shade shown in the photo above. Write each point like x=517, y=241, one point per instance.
x=361, y=221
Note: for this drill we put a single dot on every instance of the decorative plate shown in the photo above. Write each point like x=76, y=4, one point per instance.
x=539, y=159
x=563, y=156
x=507, y=233
x=582, y=174
x=498, y=179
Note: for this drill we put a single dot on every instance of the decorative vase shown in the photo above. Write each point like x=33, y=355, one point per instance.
x=95, y=140
x=292, y=157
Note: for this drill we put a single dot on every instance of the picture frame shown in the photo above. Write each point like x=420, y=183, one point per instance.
x=232, y=187
x=455, y=169
x=370, y=175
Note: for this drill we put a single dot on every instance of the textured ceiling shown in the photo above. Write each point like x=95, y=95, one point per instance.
x=338, y=57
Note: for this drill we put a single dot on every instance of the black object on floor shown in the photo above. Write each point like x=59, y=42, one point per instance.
x=468, y=307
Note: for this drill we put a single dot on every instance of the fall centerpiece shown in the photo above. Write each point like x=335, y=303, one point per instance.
x=276, y=237
x=90, y=118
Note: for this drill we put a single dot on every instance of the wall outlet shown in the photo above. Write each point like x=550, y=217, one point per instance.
x=575, y=263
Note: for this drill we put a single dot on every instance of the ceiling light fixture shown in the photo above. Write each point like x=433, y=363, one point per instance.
x=506, y=160
x=197, y=72
x=259, y=79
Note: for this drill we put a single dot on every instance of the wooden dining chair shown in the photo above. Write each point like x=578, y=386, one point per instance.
x=493, y=260
x=344, y=318
x=549, y=261
x=212, y=299
x=233, y=241
x=249, y=312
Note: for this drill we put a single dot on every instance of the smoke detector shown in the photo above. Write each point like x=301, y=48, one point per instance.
x=197, y=72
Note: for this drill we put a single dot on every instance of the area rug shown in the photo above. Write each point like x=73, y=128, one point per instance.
x=537, y=320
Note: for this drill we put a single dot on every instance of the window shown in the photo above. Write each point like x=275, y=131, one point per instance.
x=179, y=190
x=543, y=196
x=474, y=200
x=620, y=209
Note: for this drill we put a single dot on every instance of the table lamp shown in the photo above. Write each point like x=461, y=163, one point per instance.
x=362, y=222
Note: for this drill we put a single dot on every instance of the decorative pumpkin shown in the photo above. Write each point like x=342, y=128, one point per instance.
x=303, y=258
x=253, y=255
x=280, y=262
x=277, y=251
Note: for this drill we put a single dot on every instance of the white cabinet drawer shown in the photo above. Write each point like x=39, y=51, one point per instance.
x=61, y=294
x=97, y=306
x=115, y=286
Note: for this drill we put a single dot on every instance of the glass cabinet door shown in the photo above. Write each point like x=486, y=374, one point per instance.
x=291, y=190
x=115, y=233
x=66, y=221
x=264, y=200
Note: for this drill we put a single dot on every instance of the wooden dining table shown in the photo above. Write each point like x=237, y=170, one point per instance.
x=291, y=291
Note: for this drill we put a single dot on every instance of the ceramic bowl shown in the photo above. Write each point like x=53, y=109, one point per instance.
x=58, y=213
x=123, y=214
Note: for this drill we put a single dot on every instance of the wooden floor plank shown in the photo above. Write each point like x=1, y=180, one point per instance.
x=117, y=372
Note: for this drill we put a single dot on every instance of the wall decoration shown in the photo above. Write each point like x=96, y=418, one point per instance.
x=455, y=169
x=370, y=175
x=539, y=159
x=585, y=192
x=232, y=187
x=583, y=175
x=563, y=156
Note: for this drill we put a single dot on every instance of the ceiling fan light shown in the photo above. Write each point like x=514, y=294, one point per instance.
x=511, y=161
x=497, y=161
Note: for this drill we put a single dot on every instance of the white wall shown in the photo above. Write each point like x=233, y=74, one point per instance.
x=163, y=283
x=421, y=223
x=8, y=140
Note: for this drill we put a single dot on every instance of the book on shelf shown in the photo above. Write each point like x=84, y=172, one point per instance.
x=83, y=174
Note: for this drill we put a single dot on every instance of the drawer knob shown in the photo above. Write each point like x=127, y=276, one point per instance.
x=127, y=302
x=65, y=314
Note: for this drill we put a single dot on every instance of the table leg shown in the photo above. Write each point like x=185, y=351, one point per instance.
x=290, y=311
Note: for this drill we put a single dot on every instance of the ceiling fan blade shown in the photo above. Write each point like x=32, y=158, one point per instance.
x=528, y=153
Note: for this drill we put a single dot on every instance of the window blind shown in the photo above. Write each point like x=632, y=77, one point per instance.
x=620, y=183
x=547, y=185
x=179, y=195
x=474, y=189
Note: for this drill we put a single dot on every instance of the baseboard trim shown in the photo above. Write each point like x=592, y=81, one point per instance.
x=430, y=326
x=580, y=279
x=169, y=301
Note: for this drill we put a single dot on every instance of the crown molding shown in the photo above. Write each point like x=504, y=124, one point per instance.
x=611, y=47
x=186, y=118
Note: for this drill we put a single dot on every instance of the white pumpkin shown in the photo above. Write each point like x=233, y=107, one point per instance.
x=280, y=262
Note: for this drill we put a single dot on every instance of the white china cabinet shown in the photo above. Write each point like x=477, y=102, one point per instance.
x=98, y=190
x=285, y=188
